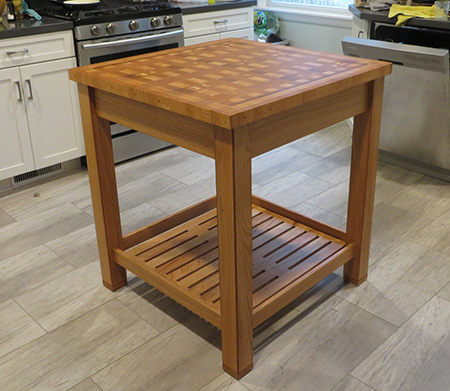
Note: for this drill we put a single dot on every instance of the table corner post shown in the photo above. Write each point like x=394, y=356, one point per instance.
x=102, y=179
x=366, y=133
x=233, y=181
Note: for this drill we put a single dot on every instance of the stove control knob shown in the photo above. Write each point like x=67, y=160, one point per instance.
x=155, y=22
x=133, y=25
x=110, y=28
x=168, y=20
x=95, y=29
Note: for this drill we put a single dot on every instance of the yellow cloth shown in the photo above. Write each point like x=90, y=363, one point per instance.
x=406, y=12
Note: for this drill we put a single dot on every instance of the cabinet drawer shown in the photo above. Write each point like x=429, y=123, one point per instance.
x=242, y=34
x=36, y=48
x=217, y=22
x=201, y=39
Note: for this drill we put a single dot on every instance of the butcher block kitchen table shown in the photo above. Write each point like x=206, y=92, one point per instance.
x=234, y=259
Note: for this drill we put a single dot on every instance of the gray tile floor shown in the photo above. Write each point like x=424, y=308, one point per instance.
x=60, y=329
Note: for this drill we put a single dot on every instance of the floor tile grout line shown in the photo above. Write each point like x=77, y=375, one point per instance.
x=76, y=385
x=207, y=384
x=371, y=264
x=7, y=214
x=31, y=316
x=90, y=377
x=46, y=282
x=354, y=377
x=442, y=298
x=391, y=336
x=366, y=311
x=131, y=351
x=29, y=342
x=139, y=316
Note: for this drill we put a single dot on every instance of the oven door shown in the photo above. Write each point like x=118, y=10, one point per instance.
x=128, y=143
x=100, y=50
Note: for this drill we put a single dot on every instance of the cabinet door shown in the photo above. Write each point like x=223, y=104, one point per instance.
x=244, y=34
x=16, y=156
x=360, y=28
x=53, y=112
x=201, y=39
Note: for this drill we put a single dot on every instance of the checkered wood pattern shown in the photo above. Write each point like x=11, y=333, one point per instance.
x=226, y=77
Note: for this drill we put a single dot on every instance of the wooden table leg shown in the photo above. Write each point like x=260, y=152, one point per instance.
x=233, y=178
x=102, y=178
x=366, y=131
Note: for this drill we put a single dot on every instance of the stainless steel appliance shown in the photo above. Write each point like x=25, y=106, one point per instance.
x=116, y=29
x=415, y=126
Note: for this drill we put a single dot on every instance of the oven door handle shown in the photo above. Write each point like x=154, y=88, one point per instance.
x=127, y=41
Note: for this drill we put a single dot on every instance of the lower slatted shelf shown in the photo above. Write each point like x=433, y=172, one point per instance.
x=184, y=262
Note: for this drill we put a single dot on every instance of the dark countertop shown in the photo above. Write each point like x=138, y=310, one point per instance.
x=382, y=17
x=196, y=8
x=29, y=26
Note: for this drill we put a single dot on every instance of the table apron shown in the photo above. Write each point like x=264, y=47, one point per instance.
x=174, y=128
x=290, y=125
x=198, y=136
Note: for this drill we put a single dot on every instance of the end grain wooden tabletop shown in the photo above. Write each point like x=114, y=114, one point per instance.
x=231, y=82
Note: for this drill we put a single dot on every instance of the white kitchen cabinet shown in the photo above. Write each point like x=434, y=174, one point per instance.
x=215, y=25
x=360, y=28
x=242, y=33
x=201, y=39
x=16, y=155
x=53, y=112
x=43, y=123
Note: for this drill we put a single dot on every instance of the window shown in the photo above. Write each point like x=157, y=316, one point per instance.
x=322, y=3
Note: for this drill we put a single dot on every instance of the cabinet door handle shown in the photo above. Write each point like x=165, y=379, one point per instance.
x=221, y=21
x=24, y=51
x=17, y=83
x=30, y=96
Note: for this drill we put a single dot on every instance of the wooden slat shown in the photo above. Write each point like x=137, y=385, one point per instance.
x=185, y=132
x=167, y=223
x=314, y=116
x=102, y=179
x=287, y=278
x=325, y=228
x=285, y=252
x=363, y=172
x=306, y=281
x=189, y=263
x=291, y=250
x=181, y=296
x=173, y=237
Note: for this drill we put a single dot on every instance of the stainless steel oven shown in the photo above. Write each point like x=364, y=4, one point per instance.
x=114, y=29
x=93, y=51
x=128, y=143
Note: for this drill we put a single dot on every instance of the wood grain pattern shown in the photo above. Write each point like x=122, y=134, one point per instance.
x=185, y=132
x=232, y=100
x=323, y=228
x=363, y=172
x=102, y=178
x=315, y=115
x=288, y=258
x=230, y=83
x=145, y=233
x=234, y=204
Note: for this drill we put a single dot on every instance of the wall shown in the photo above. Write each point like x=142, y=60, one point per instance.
x=321, y=37
x=313, y=30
